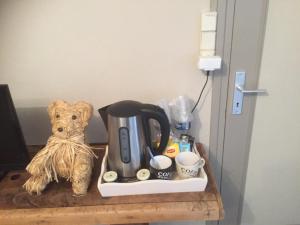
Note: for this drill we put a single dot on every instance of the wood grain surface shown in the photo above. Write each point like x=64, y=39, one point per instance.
x=57, y=205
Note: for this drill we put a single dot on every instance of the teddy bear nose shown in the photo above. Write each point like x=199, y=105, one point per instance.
x=60, y=129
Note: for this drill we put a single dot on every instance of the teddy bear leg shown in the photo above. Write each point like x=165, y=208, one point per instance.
x=82, y=174
x=36, y=184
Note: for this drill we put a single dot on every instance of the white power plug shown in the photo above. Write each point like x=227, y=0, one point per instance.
x=209, y=63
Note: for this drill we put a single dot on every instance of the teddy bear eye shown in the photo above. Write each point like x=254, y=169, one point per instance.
x=74, y=117
x=57, y=116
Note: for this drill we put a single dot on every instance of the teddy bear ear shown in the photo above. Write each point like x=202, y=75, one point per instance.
x=85, y=109
x=52, y=107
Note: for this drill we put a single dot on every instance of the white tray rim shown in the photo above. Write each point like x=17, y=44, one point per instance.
x=196, y=184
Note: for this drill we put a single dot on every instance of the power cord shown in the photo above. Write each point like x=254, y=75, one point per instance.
x=207, y=74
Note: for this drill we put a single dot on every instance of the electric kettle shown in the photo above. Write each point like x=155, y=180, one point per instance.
x=127, y=124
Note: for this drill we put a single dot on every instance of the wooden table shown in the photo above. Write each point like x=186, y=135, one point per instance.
x=57, y=205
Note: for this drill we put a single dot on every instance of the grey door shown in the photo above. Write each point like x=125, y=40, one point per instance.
x=241, y=26
x=256, y=153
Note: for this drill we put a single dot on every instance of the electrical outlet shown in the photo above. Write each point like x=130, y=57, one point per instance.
x=209, y=63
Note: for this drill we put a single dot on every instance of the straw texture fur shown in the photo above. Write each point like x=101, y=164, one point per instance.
x=65, y=154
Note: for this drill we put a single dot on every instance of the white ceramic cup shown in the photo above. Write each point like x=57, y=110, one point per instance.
x=188, y=164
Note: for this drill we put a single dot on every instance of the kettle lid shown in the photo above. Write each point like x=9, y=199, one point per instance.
x=125, y=108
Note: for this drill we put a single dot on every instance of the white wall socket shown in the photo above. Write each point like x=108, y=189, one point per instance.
x=208, y=40
x=209, y=21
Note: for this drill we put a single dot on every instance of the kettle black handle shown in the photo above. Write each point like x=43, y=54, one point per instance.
x=155, y=112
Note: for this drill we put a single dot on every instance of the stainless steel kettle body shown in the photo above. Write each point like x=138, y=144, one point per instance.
x=127, y=124
x=126, y=145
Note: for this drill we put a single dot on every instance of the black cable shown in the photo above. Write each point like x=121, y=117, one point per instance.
x=207, y=74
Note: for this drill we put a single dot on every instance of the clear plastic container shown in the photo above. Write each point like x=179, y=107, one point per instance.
x=181, y=115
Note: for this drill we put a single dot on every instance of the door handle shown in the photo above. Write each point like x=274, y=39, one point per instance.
x=257, y=91
x=240, y=91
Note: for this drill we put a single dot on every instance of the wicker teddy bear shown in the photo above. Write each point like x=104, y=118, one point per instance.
x=65, y=154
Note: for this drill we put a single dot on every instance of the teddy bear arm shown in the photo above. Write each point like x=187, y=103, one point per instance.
x=36, y=184
x=82, y=172
x=37, y=165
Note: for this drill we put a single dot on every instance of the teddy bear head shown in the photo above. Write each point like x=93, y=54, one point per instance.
x=67, y=119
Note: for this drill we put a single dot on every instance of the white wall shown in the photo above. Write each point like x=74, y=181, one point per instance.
x=100, y=51
x=272, y=194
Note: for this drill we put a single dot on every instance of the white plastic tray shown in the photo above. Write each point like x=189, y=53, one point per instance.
x=196, y=184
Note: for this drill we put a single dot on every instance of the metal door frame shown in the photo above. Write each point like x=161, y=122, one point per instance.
x=229, y=147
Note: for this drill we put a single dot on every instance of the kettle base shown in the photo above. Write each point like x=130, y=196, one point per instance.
x=128, y=179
